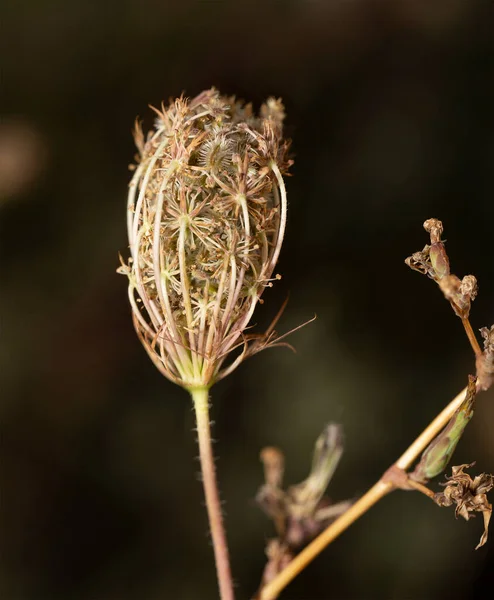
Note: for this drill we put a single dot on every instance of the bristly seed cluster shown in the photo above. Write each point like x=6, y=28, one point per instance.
x=206, y=220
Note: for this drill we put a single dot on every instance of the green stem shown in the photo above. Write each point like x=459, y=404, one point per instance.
x=213, y=504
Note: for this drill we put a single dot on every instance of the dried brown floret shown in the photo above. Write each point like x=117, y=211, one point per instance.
x=469, y=495
x=433, y=261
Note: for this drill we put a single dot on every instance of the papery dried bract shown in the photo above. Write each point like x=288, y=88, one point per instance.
x=469, y=495
x=206, y=219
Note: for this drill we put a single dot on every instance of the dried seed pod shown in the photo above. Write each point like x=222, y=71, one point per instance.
x=206, y=219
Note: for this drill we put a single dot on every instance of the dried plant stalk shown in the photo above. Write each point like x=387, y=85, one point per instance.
x=438, y=439
x=206, y=220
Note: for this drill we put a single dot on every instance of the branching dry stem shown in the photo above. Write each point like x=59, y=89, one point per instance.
x=375, y=493
x=420, y=487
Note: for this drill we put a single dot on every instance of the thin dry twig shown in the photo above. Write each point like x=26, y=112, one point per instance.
x=380, y=489
x=438, y=439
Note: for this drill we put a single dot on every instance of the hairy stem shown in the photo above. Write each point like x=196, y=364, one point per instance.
x=376, y=492
x=213, y=504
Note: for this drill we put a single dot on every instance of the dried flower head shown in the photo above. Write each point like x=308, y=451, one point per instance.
x=206, y=219
x=469, y=495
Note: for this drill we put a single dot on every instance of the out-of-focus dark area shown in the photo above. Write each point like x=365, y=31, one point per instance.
x=389, y=107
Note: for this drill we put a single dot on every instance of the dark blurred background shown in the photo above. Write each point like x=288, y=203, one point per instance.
x=389, y=106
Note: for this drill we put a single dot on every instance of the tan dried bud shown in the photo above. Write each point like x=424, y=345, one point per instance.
x=435, y=228
x=274, y=466
x=469, y=287
x=460, y=293
x=420, y=261
x=206, y=220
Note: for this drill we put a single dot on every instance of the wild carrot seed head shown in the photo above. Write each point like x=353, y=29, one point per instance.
x=206, y=219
